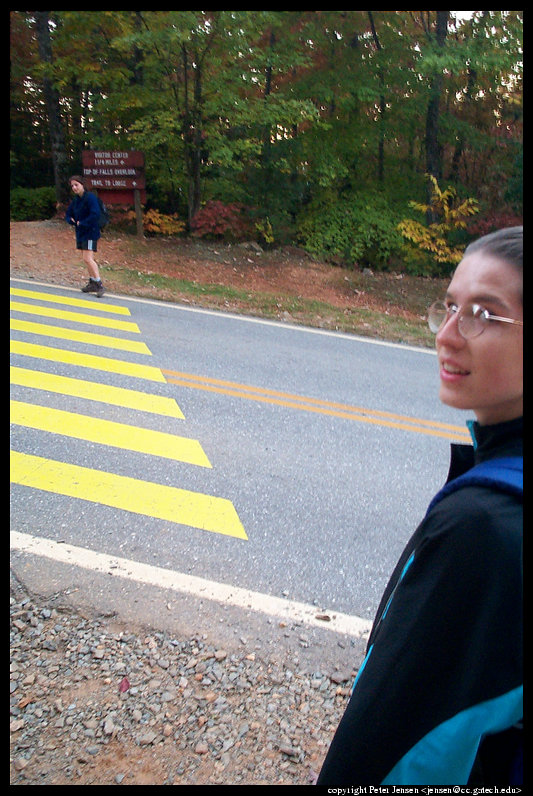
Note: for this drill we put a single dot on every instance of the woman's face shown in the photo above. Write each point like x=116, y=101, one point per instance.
x=76, y=187
x=484, y=373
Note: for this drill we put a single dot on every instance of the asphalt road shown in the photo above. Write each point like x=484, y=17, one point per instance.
x=288, y=462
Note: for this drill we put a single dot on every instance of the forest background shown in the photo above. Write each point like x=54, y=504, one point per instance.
x=372, y=139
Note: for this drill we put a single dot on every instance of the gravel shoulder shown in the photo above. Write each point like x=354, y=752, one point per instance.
x=98, y=700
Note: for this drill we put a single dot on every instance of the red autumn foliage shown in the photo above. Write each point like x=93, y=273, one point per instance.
x=218, y=220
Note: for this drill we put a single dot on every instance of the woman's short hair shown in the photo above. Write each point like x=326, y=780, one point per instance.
x=506, y=244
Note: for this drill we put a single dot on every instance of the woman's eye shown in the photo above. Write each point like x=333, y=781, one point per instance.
x=480, y=312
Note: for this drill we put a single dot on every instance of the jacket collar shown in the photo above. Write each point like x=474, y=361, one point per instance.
x=489, y=442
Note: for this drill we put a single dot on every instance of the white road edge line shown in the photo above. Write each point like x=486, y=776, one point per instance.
x=245, y=318
x=190, y=584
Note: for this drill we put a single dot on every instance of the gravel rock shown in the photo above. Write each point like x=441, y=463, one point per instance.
x=94, y=702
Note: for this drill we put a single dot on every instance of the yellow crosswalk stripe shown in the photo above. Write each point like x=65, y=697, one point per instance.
x=87, y=361
x=90, y=338
x=108, y=432
x=77, y=317
x=95, y=391
x=72, y=302
x=172, y=504
x=140, y=497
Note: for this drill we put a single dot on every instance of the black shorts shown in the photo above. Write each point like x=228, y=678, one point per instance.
x=87, y=245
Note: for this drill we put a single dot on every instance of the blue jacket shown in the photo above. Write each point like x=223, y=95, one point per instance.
x=86, y=210
x=437, y=700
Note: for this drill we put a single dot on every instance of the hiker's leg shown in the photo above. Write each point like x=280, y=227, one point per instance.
x=90, y=262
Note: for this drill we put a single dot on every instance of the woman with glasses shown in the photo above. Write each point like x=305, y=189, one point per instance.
x=437, y=700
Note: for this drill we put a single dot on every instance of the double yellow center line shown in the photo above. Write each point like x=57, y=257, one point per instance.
x=317, y=405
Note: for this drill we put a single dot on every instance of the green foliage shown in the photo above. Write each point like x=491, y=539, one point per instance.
x=515, y=188
x=360, y=229
x=32, y=204
x=274, y=109
x=218, y=220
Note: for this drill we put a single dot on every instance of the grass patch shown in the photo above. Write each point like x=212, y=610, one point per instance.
x=309, y=312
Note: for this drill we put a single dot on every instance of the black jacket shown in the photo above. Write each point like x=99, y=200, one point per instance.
x=445, y=651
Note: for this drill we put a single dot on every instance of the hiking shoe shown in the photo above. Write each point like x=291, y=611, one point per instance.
x=93, y=287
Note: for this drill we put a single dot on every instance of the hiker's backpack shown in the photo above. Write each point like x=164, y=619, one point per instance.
x=103, y=220
x=505, y=474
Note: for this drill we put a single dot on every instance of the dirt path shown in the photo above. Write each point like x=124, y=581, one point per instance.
x=285, y=284
x=46, y=250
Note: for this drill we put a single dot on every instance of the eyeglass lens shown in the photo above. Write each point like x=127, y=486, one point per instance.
x=471, y=322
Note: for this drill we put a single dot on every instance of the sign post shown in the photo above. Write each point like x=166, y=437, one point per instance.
x=120, y=175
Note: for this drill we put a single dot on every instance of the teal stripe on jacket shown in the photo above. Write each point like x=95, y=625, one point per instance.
x=445, y=756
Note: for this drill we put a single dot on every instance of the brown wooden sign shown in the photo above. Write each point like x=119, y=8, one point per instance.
x=120, y=174
x=113, y=170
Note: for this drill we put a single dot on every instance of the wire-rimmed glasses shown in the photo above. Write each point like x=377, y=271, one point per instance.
x=472, y=319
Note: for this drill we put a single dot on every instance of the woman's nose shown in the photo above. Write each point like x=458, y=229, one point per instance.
x=449, y=333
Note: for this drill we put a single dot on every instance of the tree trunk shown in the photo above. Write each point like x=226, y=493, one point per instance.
x=137, y=64
x=459, y=146
x=433, y=153
x=51, y=97
x=382, y=105
x=192, y=134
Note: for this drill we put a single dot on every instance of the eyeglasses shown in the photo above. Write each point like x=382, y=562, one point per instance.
x=472, y=319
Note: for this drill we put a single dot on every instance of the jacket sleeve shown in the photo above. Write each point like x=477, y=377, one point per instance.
x=68, y=214
x=443, y=666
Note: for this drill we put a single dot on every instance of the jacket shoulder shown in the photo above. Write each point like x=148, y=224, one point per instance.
x=505, y=474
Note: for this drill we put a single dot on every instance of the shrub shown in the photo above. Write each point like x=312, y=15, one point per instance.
x=158, y=223
x=32, y=204
x=358, y=229
x=218, y=220
x=265, y=232
x=435, y=239
x=493, y=221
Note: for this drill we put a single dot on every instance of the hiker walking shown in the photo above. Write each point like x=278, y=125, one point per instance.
x=84, y=214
